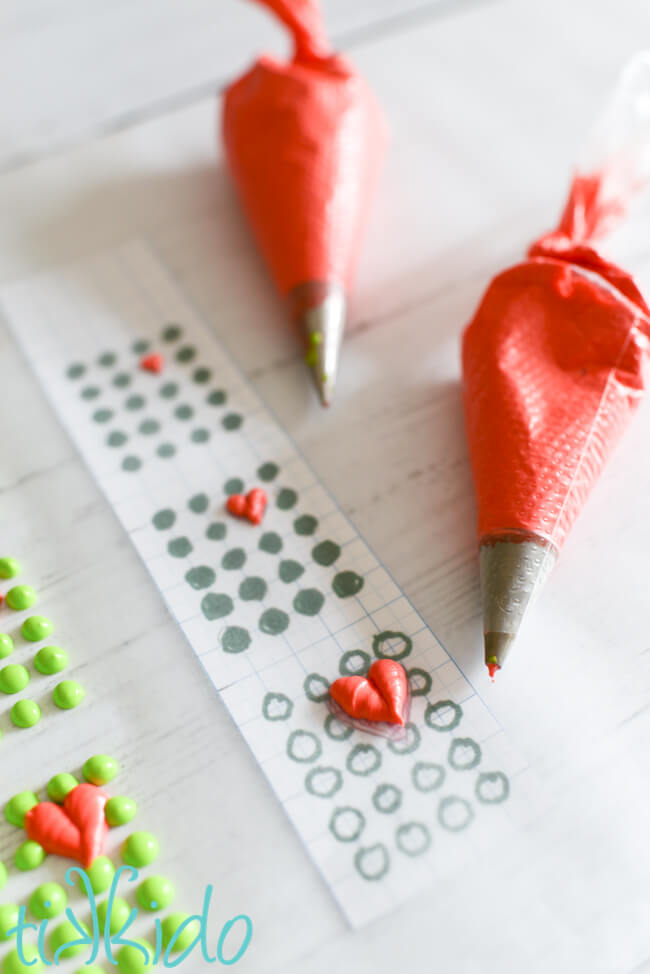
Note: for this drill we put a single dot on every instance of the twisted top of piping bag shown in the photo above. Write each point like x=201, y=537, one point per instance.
x=304, y=20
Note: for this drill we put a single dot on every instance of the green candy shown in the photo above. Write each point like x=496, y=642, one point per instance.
x=100, y=874
x=6, y=645
x=12, y=964
x=18, y=806
x=13, y=678
x=8, y=919
x=9, y=568
x=130, y=960
x=140, y=849
x=59, y=786
x=68, y=694
x=29, y=855
x=120, y=810
x=47, y=901
x=120, y=913
x=186, y=937
x=36, y=628
x=156, y=893
x=100, y=768
x=25, y=713
x=20, y=597
x=63, y=934
x=3, y=874
x=50, y=659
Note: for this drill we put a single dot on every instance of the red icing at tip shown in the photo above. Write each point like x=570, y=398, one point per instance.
x=553, y=367
x=152, y=363
x=251, y=506
x=77, y=830
x=382, y=695
x=492, y=668
x=304, y=141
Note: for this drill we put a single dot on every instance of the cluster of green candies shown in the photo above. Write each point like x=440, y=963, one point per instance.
x=14, y=677
x=49, y=900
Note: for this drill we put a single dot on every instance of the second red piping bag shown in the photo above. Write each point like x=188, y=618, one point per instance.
x=304, y=141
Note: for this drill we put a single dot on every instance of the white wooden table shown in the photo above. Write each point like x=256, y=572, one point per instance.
x=109, y=133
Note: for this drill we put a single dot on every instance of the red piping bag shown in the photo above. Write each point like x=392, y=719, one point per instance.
x=304, y=140
x=555, y=363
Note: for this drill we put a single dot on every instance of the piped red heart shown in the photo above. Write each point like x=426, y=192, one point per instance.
x=152, y=363
x=76, y=831
x=252, y=505
x=381, y=696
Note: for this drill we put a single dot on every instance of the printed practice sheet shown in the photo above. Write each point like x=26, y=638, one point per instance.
x=275, y=611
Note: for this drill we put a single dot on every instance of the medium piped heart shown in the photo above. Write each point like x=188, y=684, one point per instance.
x=152, y=363
x=251, y=505
x=77, y=830
x=381, y=696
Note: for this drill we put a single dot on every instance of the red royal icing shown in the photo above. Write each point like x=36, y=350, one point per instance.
x=77, y=830
x=251, y=506
x=152, y=363
x=382, y=695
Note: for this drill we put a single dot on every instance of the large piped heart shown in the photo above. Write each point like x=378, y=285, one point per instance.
x=76, y=831
x=251, y=505
x=382, y=695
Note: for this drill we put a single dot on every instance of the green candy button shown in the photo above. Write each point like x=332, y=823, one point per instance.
x=67, y=933
x=9, y=568
x=18, y=806
x=29, y=855
x=120, y=810
x=100, y=874
x=130, y=960
x=36, y=627
x=100, y=769
x=8, y=920
x=47, y=901
x=20, y=597
x=120, y=913
x=29, y=963
x=140, y=849
x=187, y=935
x=50, y=659
x=68, y=694
x=59, y=786
x=6, y=645
x=13, y=678
x=156, y=893
x=25, y=713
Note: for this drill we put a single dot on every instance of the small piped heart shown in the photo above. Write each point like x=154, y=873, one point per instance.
x=152, y=363
x=76, y=831
x=251, y=505
x=381, y=696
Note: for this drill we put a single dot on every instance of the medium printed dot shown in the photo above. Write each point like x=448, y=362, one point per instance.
x=286, y=499
x=290, y=570
x=346, y=584
x=216, y=531
x=232, y=421
x=185, y=353
x=233, y=486
x=171, y=333
x=306, y=524
x=180, y=547
x=116, y=438
x=131, y=464
x=202, y=576
x=122, y=380
x=107, y=359
x=89, y=392
x=166, y=450
x=102, y=415
x=270, y=542
x=76, y=370
x=163, y=519
x=201, y=375
x=200, y=435
x=216, y=605
x=148, y=427
x=235, y=639
x=234, y=559
x=309, y=602
x=198, y=504
x=273, y=622
x=252, y=589
x=325, y=553
x=140, y=346
x=183, y=411
x=216, y=398
x=268, y=471
x=134, y=402
x=169, y=390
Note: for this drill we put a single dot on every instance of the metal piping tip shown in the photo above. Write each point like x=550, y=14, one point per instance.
x=513, y=569
x=319, y=309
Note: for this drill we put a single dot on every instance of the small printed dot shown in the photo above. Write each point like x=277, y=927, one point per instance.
x=232, y=421
x=268, y=471
x=102, y=415
x=202, y=375
x=216, y=531
x=200, y=435
x=234, y=559
x=116, y=438
x=166, y=450
x=216, y=606
x=149, y=426
x=107, y=360
x=140, y=347
x=198, y=504
x=270, y=542
x=216, y=398
x=163, y=519
x=233, y=486
x=235, y=639
x=169, y=390
x=122, y=380
x=134, y=402
x=286, y=499
x=309, y=602
x=171, y=333
x=252, y=589
x=273, y=622
x=179, y=547
x=185, y=353
x=76, y=370
x=202, y=576
x=306, y=524
x=290, y=570
x=131, y=464
x=89, y=392
x=325, y=553
x=183, y=411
